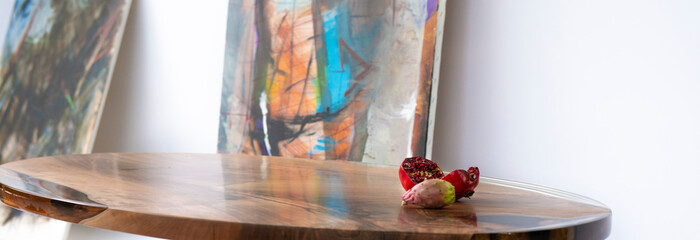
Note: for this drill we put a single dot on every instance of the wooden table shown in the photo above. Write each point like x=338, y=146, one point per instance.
x=203, y=196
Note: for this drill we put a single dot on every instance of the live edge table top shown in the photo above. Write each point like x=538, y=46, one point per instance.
x=205, y=196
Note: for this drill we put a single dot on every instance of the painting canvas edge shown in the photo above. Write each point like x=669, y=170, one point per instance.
x=436, y=79
x=108, y=80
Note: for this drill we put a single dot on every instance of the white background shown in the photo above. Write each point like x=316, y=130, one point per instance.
x=599, y=98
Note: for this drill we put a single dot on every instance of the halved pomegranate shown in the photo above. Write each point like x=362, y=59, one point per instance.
x=415, y=170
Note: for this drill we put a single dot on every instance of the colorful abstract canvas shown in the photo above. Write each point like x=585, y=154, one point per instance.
x=55, y=68
x=331, y=79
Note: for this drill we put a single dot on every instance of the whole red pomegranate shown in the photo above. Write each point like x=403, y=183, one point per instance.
x=464, y=181
x=415, y=170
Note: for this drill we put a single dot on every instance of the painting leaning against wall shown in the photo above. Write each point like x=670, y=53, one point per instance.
x=331, y=79
x=55, y=70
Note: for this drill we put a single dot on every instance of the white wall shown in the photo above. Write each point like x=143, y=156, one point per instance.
x=165, y=92
x=600, y=98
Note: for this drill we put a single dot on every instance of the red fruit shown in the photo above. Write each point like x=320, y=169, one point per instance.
x=473, y=180
x=464, y=181
x=415, y=170
x=459, y=179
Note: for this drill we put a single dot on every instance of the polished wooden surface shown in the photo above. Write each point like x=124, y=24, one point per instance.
x=200, y=196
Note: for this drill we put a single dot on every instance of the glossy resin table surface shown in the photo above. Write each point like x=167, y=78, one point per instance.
x=203, y=196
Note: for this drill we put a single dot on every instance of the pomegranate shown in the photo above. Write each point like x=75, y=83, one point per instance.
x=473, y=181
x=415, y=170
x=464, y=181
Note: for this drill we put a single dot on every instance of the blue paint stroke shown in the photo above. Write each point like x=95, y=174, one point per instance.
x=337, y=75
x=321, y=145
x=21, y=14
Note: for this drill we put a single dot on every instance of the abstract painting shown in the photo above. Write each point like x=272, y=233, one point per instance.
x=348, y=80
x=55, y=70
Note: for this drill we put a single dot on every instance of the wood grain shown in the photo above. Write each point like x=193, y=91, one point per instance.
x=214, y=196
